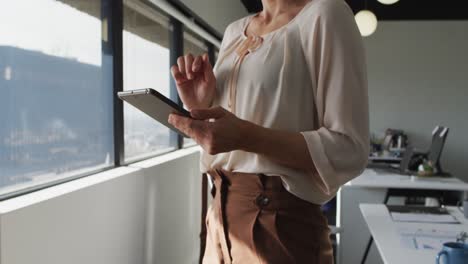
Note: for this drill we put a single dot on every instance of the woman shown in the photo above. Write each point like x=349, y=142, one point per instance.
x=283, y=122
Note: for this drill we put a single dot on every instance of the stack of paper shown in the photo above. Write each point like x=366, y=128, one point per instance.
x=424, y=218
x=421, y=214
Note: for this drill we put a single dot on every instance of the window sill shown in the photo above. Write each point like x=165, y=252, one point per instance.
x=151, y=162
x=37, y=197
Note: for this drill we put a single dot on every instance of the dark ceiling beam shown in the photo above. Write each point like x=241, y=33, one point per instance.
x=402, y=10
x=181, y=7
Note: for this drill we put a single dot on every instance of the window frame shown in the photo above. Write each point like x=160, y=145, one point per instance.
x=115, y=30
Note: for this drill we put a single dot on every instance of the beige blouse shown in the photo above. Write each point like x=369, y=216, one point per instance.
x=308, y=76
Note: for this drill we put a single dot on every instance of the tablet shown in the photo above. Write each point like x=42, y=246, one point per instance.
x=154, y=104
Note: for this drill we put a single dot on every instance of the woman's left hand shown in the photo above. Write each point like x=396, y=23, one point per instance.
x=215, y=129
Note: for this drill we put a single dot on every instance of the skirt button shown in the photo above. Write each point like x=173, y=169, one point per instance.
x=262, y=201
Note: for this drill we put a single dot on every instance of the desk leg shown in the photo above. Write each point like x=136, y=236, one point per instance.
x=366, y=253
x=371, y=239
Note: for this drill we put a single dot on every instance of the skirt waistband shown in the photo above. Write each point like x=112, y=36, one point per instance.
x=246, y=181
x=268, y=192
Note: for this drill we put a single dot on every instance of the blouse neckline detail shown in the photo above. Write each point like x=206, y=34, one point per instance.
x=263, y=36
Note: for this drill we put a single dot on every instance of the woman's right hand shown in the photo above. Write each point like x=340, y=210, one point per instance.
x=195, y=81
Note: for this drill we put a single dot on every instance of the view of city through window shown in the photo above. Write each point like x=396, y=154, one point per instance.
x=55, y=103
x=146, y=65
x=56, y=113
x=56, y=84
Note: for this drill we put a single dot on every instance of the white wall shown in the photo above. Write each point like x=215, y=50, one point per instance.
x=144, y=214
x=418, y=78
x=217, y=13
x=173, y=216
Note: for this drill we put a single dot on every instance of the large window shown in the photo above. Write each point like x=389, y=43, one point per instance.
x=146, y=65
x=60, y=64
x=56, y=92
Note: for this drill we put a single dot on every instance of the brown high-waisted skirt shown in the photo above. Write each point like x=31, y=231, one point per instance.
x=254, y=219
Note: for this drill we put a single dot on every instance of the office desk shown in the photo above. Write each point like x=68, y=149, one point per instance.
x=372, y=187
x=387, y=238
x=372, y=178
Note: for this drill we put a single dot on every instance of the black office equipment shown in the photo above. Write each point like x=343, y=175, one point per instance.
x=439, y=137
x=412, y=159
x=433, y=155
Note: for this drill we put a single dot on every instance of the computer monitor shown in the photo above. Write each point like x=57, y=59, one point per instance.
x=437, y=146
x=435, y=133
